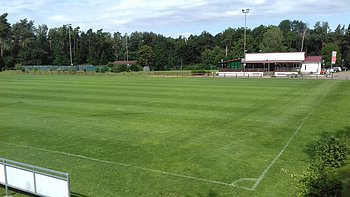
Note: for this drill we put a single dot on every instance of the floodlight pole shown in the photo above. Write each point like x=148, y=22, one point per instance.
x=70, y=45
x=245, y=11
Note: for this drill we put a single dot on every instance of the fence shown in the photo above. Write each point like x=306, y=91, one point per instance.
x=32, y=179
x=82, y=68
x=241, y=74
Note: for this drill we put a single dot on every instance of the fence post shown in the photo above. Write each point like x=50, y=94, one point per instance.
x=6, y=186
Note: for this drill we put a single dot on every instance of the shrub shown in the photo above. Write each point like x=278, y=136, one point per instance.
x=319, y=183
x=197, y=67
x=110, y=64
x=199, y=72
x=331, y=152
x=320, y=179
x=102, y=69
x=135, y=67
x=119, y=68
x=19, y=67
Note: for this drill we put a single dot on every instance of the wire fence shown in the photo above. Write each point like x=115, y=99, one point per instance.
x=80, y=68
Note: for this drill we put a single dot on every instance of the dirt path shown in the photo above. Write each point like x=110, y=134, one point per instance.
x=342, y=75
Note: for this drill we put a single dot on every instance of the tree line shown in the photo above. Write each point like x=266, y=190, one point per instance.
x=23, y=43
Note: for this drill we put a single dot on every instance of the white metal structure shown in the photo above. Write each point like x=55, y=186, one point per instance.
x=240, y=74
x=33, y=179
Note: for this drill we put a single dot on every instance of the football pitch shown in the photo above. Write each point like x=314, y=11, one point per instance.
x=150, y=136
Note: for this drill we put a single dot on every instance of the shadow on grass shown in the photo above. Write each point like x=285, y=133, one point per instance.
x=342, y=134
x=210, y=193
x=73, y=194
x=16, y=192
x=343, y=172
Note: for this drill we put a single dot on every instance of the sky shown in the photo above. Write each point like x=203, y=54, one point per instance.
x=174, y=17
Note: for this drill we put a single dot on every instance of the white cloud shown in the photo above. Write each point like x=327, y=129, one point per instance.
x=164, y=16
x=58, y=18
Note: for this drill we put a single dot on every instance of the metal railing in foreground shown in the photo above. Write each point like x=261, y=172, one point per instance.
x=33, y=179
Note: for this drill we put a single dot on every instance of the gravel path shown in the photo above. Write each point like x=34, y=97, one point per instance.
x=342, y=75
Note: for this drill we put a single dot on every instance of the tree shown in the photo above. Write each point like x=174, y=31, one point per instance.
x=5, y=32
x=327, y=53
x=119, y=46
x=318, y=38
x=257, y=35
x=294, y=33
x=213, y=57
x=59, y=46
x=25, y=43
x=273, y=41
x=345, y=46
x=146, y=56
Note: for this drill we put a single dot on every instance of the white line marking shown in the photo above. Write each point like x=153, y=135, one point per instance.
x=125, y=165
x=285, y=146
x=241, y=180
x=279, y=154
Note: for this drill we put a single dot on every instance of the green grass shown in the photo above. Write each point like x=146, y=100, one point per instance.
x=209, y=129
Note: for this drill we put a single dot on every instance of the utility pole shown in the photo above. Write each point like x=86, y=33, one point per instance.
x=70, y=45
x=245, y=12
x=127, y=48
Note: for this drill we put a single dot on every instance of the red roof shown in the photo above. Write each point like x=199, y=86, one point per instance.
x=313, y=59
x=124, y=62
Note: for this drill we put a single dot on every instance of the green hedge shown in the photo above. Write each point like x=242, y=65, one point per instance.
x=320, y=179
x=199, y=72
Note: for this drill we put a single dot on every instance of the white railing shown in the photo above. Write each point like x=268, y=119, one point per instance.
x=32, y=179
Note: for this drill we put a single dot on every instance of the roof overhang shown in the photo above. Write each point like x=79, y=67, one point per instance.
x=273, y=61
x=282, y=57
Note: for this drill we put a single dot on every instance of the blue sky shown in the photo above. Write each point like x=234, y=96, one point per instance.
x=174, y=17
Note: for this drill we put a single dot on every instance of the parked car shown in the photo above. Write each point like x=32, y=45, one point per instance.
x=344, y=68
x=323, y=72
x=330, y=70
x=337, y=69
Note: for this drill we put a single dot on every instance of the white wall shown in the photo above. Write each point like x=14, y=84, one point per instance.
x=49, y=186
x=308, y=68
x=20, y=179
x=36, y=183
x=240, y=74
x=2, y=174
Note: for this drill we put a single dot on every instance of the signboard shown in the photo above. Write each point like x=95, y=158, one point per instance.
x=2, y=174
x=20, y=179
x=51, y=186
x=334, y=57
x=33, y=179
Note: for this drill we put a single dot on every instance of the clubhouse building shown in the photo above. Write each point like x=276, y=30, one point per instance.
x=283, y=62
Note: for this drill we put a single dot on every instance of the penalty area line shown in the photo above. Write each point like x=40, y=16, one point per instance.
x=125, y=165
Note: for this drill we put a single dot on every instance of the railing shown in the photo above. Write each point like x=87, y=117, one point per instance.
x=32, y=179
